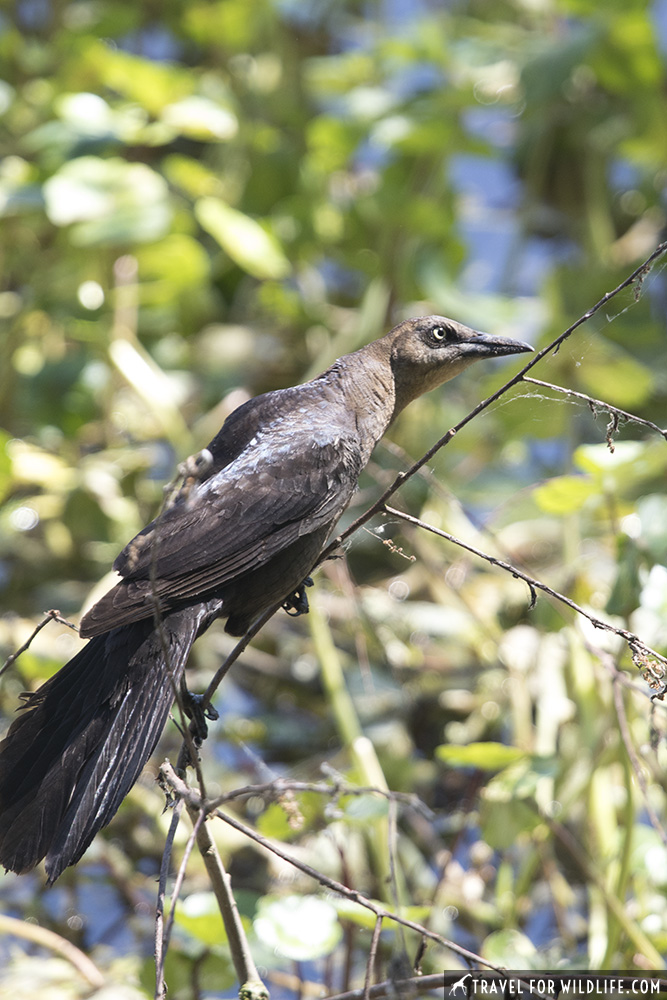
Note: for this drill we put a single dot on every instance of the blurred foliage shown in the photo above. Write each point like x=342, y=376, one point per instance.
x=206, y=200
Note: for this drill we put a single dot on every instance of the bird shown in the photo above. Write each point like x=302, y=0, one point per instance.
x=242, y=536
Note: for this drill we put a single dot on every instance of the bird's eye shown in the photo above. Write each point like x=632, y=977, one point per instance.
x=439, y=333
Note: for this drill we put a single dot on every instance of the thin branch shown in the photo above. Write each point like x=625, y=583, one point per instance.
x=638, y=275
x=194, y=800
x=49, y=616
x=222, y=671
x=277, y=788
x=252, y=987
x=372, y=956
x=640, y=652
x=412, y=987
x=160, y=940
x=599, y=404
x=161, y=986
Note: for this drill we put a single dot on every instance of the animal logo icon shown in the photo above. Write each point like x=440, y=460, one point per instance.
x=460, y=983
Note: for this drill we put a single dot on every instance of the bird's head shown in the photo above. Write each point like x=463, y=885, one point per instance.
x=430, y=350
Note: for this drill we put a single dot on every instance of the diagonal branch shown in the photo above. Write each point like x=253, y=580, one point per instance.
x=614, y=412
x=639, y=650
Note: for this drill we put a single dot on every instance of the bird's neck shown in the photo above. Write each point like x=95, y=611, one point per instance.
x=365, y=384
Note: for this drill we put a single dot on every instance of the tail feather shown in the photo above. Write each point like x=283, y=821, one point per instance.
x=82, y=739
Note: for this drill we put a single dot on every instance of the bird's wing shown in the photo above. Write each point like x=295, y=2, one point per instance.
x=278, y=490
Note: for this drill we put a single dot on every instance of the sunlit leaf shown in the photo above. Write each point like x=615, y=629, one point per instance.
x=564, y=494
x=111, y=200
x=511, y=949
x=201, y=118
x=302, y=928
x=199, y=915
x=243, y=239
x=485, y=756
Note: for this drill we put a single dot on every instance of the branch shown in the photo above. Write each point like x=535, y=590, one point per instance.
x=642, y=655
x=614, y=412
x=252, y=987
x=49, y=616
x=194, y=801
x=277, y=788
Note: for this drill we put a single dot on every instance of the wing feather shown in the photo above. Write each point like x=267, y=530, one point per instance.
x=281, y=487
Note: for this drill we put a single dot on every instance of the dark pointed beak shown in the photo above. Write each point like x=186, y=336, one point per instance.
x=483, y=345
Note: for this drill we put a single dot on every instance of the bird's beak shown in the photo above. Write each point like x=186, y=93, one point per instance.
x=483, y=345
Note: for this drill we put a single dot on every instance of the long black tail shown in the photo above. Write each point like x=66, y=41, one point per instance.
x=82, y=739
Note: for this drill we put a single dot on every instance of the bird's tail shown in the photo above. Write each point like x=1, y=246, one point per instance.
x=82, y=739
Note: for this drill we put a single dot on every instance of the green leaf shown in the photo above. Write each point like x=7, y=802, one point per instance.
x=109, y=201
x=199, y=915
x=201, y=118
x=564, y=494
x=243, y=239
x=511, y=949
x=302, y=928
x=485, y=756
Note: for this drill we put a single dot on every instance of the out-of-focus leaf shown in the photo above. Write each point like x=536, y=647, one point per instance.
x=243, y=239
x=612, y=375
x=201, y=119
x=153, y=385
x=484, y=756
x=175, y=263
x=302, y=928
x=32, y=465
x=652, y=511
x=366, y=808
x=199, y=915
x=111, y=201
x=511, y=949
x=150, y=83
x=564, y=494
x=5, y=465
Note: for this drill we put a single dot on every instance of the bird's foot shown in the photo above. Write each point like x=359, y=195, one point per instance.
x=198, y=712
x=297, y=603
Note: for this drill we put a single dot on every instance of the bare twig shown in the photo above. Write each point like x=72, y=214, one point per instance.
x=193, y=800
x=222, y=671
x=638, y=648
x=252, y=987
x=614, y=412
x=372, y=956
x=49, y=616
x=277, y=788
x=160, y=940
x=162, y=946
x=414, y=986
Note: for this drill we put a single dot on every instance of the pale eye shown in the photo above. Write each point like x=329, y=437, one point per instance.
x=438, y=333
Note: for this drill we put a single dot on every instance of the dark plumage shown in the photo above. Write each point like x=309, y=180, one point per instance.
x=243, y=536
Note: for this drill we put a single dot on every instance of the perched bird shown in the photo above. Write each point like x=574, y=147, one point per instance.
x=244, y=536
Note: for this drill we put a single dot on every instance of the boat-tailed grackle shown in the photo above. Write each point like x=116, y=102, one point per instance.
x=244, y=536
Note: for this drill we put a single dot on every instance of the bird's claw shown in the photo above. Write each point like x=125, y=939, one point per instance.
x=198, y=712
x=297, y=603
